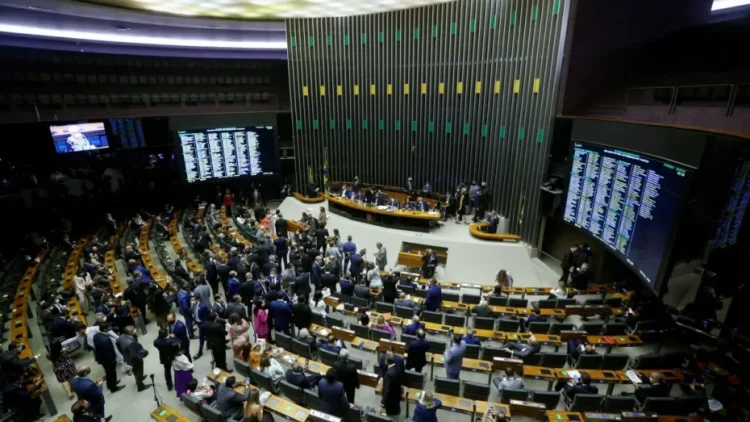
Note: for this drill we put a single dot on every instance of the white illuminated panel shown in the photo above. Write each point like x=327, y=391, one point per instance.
x=728, y=4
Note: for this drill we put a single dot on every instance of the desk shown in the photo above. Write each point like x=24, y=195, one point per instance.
x=367, y=378
x=165, y=413
x=398, y=219
x=356, y=342
x=450, y=403
x=480, y=407
x=527, y=408
x=597, y=377
x=669, y=375
x=620, y=341
x=476, y=231
x=63, y=418
x=474, y=365
x=307, y=200
x=563, y=416
x=593, y=416
x=286, y=409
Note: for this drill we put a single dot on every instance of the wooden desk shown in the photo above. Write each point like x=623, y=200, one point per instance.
x=527, y=408
x=434, y=328
x=222, y=377
x=594, y=416
x=668, y=375
x=589, y=310
x=356, y=342
x=165, y=413
x=476, y=231
x=539, y=372
x=286, y=409
x=308, y=200
x=397, y=346
x=63, y=418
x=563, y=416
x=501, y=364
x=597, y=377
x=481, y=407
x=620, y=341
x=504, y=310
x=450, y=403
x=367, y=378
x=474, y=365
x=400, y=219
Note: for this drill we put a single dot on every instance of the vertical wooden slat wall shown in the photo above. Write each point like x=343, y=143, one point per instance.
x=445, y=93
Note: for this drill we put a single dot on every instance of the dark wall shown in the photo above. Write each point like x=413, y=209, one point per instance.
x=430, y=93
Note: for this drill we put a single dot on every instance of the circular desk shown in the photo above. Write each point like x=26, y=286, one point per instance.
x=307, y=200
x=475, y=231
x=396, y=219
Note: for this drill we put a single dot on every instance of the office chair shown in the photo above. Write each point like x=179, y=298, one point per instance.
x=538, y=327
x=472, y=351
x=334, y=321
x=413, y=379
x=593, y=328
x=212, y=414
x=617, y=404
x=378, y=334
x=586, y=403
x=557, y=327
x=312, y=401
x=497, y=300
x=647, y=361
x=360, y=330
x=263, y=380
x=470, y=299
x=292, y=392
x=191, y=403
x=447, y=386
x=562, y=303
x=420, y=293
x=508, y=394
x=404, y=312
x=455, y=320
x=384, y=307
x=476, y=391
x=589, y=361
x=318, y=318
x=550, y=399
x=328, y=357
x=301, y=348
x=546, y=304
x=436, y=346
x=615, y=329
x=435, y=317
x=506, y=324
x=660, y=405
x=242, y=367
x=409, y=290
x=689, y=405
x=599, y=301
x=615, y=361
x=373, y=417
x=355, y=414
x=407, y=338
x=358, y=363
x=360, y=302
x=515, y=302
x=450, y=296
x=554, y=360
x=283, y=340
x=489, y=353
x=484, y=323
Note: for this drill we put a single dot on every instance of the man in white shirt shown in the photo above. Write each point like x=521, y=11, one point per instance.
x=91, y=332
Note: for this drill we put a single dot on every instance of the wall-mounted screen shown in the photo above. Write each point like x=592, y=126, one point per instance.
x=75, y=137
x=627, y=200
x=734, y=211
x=129, y=130
x=220, y=153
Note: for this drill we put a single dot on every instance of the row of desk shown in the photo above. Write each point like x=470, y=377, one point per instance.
x=148, y=261
x=174, y=239
x=115, y=284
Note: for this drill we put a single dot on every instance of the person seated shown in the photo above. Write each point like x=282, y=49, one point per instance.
x=426, y=409
x=384, y=326
x=82, y=412
x=522, y=350
x=403, y=302
x=332, y=344
x=421, y=205
x=653, y=386
x=393, y=203
x=304, y=336
x=296, y=376
x=509, y=380
x=577, y=347
x=492, y=222
x=228, y=401
x=413, y=327
x=363, y=318
x=205, y=395
x=577, y=385
x=471, y=337
x=482, y=310
x=536, y=317
x=346, y=286
x=272, y=368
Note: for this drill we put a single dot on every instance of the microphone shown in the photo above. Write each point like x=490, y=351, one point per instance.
x=152, y=377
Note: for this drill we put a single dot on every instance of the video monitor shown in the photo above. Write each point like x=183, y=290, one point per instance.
x=76, y=137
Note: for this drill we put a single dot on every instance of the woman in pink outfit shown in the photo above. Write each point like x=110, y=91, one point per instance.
x=260, y=320
x=239, y=332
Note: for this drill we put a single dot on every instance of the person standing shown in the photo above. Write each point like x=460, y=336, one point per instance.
x=177, y=330
x=184, y=308
x=105, y=355
x=316, y=272
x=200, y=314
x=356, y=263
x=203, y=291
x=434, y=298
x=239, y=332
x=82, y=412
x=282, y=251
x=454, y=358
x=88, y=390
x=134, y=353
x=426, y=409
x=260, y=321
x=163, y=344
x=20, y=399
x=346, y=372
x=215, y=334
x=392, y=388
x=381, y=256
x=349, y=248
x=281, y=313
x=333, y=395
x=568, y=262
x=462, y=205
x=62, y=365
x=301, y=313
x=182, y=367
x=416, y=352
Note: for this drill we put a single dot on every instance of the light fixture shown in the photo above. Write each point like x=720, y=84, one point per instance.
x=140, y=40
x=728, y=4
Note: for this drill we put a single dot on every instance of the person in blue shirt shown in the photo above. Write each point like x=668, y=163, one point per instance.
x=88, y=390
x=331, y=344
x=426, y=409
x=471, y=337
x=346, y=285
x=454, y=358
x=282, y=251
x=413, y=327
x=184, y=308
x=200, y=314
x=356, y=264
x=349, y=248
x=177, y=330
x=281, y=312
x=332, y=395
x=233, y=285
x=434, y=298
x=416, y=352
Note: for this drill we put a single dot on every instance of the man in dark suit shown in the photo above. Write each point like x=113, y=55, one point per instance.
x=536, y=317
x=346, y=285
x=329, y=279
x=229, y=402
x=577, y=386
x=264, y=252
x=212, y=275
x=383, y=362
x=434, y=298
x=222, y=270
x=392, y=388
x=333, y=395
x=163, y=344
x=576, y=348
x=184, y=308
x=282, y=250
x=301, y=285
x=521, y=350
x=348, y=248
x=296, y=376
x=247, y=290
x=200, y=315
x=356, y=260
x=281, y=227
x=105, y=355
x=235, y=307
x=316, y=272
x=281, y=313
x=580, y=277
x=220, y=306
x=11, y=364
x=133, y=352
x=215, y=333
x=482, y=310
x=301, y=313
x=177, y=330
x=346, y=372
x=20, y=399
x=413, y=327
x=416, y=351
x=567, y=262
x=653, y=386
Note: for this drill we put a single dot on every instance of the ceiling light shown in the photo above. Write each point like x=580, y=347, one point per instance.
x=728, y=4
x=141, y=40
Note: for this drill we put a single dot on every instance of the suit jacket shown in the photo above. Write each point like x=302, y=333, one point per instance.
x=417, y=353
x=233, y=287
x=301, y=380
x=164, y=346
x=356, y=264
x=349, y=248
x=183, y=302
x=282, y=246
x=527, y=351
x=390, y=293
x=180, y=333
x=315, y=274
x=281, y=312
x=281, y=227
x=236, y=308
x=104, y=350
x=220, y=309
x=346, y=372
x=454, y=359
x=301, y=315
x=654, y=390
x=434, y=298
x=347, y=287
x=230, y=402
x=130, y=349
x=201, y=313
x=301, y=285
x=333, y=398
x=203, y=292
x=215, y=332
x=264, y=251
x=87, y=389
x=62, y=328
x=412, y=328
x=392, y=390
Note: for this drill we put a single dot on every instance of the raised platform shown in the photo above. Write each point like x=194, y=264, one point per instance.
x=470, y=259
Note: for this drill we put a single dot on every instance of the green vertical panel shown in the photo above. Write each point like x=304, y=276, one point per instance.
x=329, y=40
x=398, y=35
x=513, y=18
x=311, y=40
x=434, y=31
x=299, y=124
x=381, y=124
x=381, y=37
x=521, y=133
x=540, y=136
x=534, y=12
x=454, y=28
x=502, y=132
x=493, y=21
x=346, y=39
x=466, y=128
x=556, y=7
x=484, y=131
x=293, y=41
x=332, y=124
x=397, y=125
x=348, y=124
x=431, y=126
x=416, y=33
x=413, y=125
x=473, y=25
x=315, y=124
x=364, y=124
x=364, y=38
x=448, y=127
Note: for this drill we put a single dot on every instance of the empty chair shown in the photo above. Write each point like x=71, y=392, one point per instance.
x=384, y=307
x=450, y=296
x=413, y=379
x=357, y=362
x=614, y=302
x=354, y=413
x=615, y=361
x=378, y=334
x=284, y=341
x=562, y=303
x=538, y=327
x=589, y=361
x=598, y=301
x=689, y=405
x=191, y=403
x=648, y=361
x=471, y=299
x=407, y=338
x=546, y=304
x=553, y=360
x=489, y=353
x=435, y=317
x=404, y=312
x=328, y=357
x=242, y=367
x=484, y=323
x=506, y=324
x=476, y=391
x=301, y=348
x=318, y=318
x=593, y=328
x=447, y=386
x=360, y=302
x=661, y=405
x=312, y=400
x=497, y=300
x=550, y=399
x=292, y=392
x=615, y=329
x=333, y=321
x=409, y=290
x=509, y=394
x=342, y=298
x=455, y=320
x=212, y=414
x=420, y=293
x=586, y=403
x=557, y=327
x=617, y=404
x=515, y=302
x=646, y=326
x=472, y=351
x=263, y=380
x=375, y=417
x=436, y=346
x=360, y=330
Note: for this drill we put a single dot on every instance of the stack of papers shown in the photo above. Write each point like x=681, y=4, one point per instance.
x=634, y=378
x=574, y=374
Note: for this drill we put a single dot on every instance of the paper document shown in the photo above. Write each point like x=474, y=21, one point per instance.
x=633, y=376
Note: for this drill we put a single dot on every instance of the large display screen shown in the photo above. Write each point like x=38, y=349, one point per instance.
x=220, y=153
x=735, y=208
x=628, y=201
x=84, y=136
x=129, y=130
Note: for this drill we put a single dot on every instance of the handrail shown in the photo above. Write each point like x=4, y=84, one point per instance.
x=745, y=135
